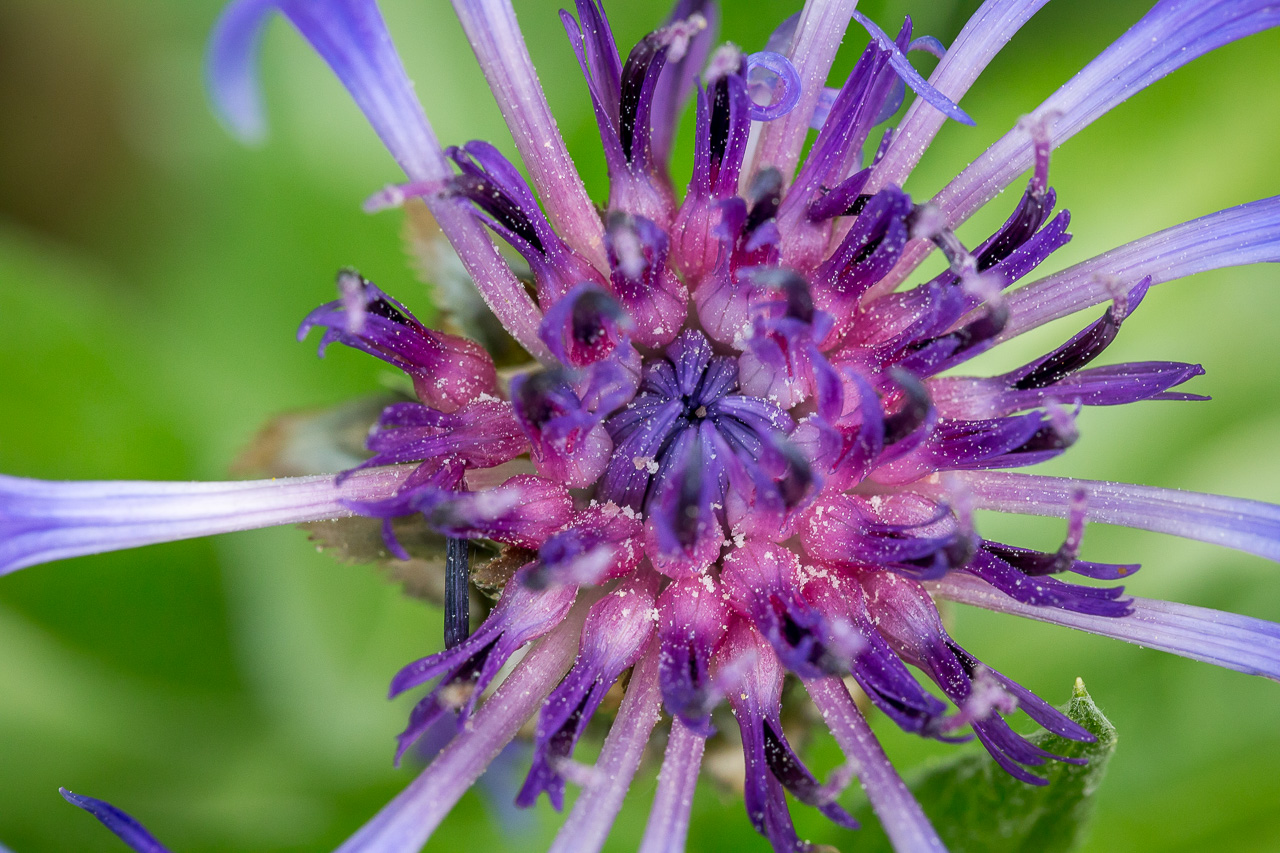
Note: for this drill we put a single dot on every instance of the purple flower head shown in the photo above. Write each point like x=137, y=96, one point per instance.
x=745, y=450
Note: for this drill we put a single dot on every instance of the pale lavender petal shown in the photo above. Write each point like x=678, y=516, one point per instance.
x=1250, y=526
x=495, y=36
x=405, y=824
x=983, y=36
x=813, y=48
x=593, y=814
x=1245, y=234
x=1229, y=640
x=1172, y=34
x=352, y=38
x=668, y=825
x=900, y=815
x=42, y=520
x=126, y=828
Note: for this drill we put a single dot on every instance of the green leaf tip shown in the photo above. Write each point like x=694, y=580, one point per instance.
x=977, y=807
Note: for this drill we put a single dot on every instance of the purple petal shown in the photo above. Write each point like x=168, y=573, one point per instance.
x=1048, y=592
x=585, y=326
x=495, y=37
x=668, y=825
x=1247, y=645
x=588, y=824
x=1250, y=526
x=678, y=78
x=1172, y=34
x=352, y=38
x=983, y=35
x=651, y=293
x=570, y=444
x=691, y=625
x=504, y=202
x=523, y=511
x=231, y=72
x=481, y=434
x=125, y=827
x=1246, y=234
x=447, y=371
x=910, y=76
x=616, y=632
x=405, y=824
x=41, y=520
x=900, y=815
x=812, y=49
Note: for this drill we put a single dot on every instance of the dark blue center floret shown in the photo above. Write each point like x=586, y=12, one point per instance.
x=689, y=435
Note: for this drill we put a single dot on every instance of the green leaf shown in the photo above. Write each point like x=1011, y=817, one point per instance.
x=977, y=807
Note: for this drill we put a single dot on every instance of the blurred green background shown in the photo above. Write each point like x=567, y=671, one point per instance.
x=230, y=691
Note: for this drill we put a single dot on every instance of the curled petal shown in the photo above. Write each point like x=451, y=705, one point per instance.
x=788, y=79
x=903, y=66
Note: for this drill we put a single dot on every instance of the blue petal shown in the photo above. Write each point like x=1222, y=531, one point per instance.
x=231, y=72
x=910, y=75
x=129, y=830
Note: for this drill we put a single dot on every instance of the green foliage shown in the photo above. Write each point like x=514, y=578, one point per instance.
x=979, y=808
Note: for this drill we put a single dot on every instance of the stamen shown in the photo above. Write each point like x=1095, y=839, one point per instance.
x=1039, y=126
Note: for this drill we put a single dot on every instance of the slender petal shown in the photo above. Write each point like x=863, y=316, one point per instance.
x=900, y=815
x=982, y=38
x=1245, y=234
x=588, y=824
x=1172, y=34
x=1229, y=640
x=495, y=37
x=125, y=827
x=352, y=38
x=405, y=824
x=1250, y=526
x=813, y=47
x=668, y=825
x=42, y=520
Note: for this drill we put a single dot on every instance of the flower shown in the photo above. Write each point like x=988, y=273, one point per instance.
x=739, y=456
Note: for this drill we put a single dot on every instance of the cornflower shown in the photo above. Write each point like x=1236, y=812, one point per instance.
x=743, y=451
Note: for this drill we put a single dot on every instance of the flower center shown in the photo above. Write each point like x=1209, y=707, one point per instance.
x=689, y=436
